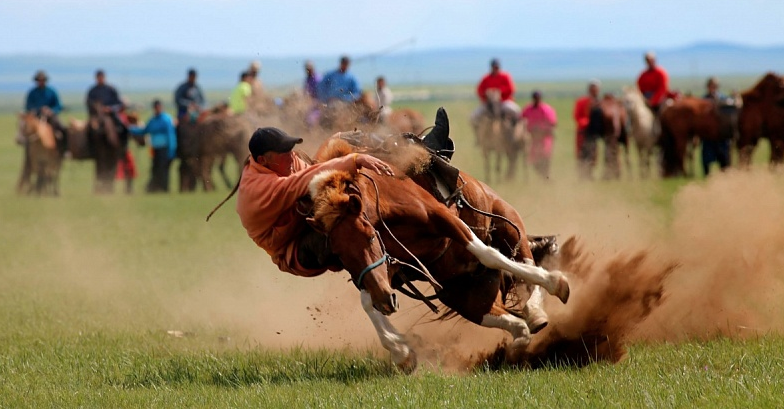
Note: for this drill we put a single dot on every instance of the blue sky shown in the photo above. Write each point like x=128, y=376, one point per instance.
x=331, y=27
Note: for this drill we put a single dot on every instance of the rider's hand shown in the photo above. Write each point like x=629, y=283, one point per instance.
x=374, y=164
x=46, y=111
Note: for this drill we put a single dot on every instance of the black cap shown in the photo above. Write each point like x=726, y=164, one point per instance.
x=191, y=71
x=99, y=72
x=495, y=63
x=271, y=139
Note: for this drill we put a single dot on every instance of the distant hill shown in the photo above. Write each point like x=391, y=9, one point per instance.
x=156, y=70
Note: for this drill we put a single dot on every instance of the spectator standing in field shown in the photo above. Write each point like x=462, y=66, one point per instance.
x=188, y=97
x=384, y=98
x=163, y=141
x=540, y=120
x=312, y=80
x=257, y=101
x=44, y=102
x=653, y=83
x=716, y=151
x=503, y=82
x=582, y=113
x=339, y=85
x=238, y=101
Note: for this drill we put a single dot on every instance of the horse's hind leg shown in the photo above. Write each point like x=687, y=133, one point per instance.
x=479, y=299
x=402, y=355
x=553, y=281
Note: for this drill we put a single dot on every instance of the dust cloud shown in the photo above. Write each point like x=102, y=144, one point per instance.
x=716, y=271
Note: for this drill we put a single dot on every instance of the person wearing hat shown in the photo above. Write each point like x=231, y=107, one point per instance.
x=339, y=85
x=653, y=83
x=716, y=151
x=503, y=82
x=257, y=100
x=273, y=180
x=188, y=96
x=540, y=120
x=163, y=140
x=44, y=102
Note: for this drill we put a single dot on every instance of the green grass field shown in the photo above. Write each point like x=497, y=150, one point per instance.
x=135, y=301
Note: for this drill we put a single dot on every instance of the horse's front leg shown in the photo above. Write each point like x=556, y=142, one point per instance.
x=402, y=355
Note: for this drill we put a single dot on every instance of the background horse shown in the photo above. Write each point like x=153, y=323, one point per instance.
x=495, y=134
x=762, y=115
x=369, y=218
x=683, y=124
x=642, y=128
x=201, y=143
x=42, y=159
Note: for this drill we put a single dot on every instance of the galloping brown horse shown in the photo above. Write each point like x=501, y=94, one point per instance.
x=496, y=135
x=380, y=226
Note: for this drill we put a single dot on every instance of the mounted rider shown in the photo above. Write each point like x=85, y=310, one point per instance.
x=503, y=82
x=44, y=102
x=654, y=83
x=189, y=98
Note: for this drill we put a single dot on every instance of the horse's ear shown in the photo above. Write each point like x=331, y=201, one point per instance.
x=354, y=204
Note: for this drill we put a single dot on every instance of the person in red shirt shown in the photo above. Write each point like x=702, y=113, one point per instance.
x=653, y=83
x=582, y=111
x=272, y=183
x=502, y=81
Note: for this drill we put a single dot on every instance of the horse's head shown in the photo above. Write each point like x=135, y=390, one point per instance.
x=493, y=96
x=338, y=212
x=28, y=124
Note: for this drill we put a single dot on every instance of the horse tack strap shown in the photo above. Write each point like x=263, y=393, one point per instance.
x=369, y=268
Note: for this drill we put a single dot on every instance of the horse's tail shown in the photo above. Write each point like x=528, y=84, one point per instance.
x=233, y=191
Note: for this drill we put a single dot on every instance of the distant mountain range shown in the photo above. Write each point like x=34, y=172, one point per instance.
x=156, y=70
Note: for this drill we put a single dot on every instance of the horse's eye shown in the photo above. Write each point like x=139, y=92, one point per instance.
x=372, y=239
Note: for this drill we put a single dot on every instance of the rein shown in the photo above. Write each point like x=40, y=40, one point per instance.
x=414, y=293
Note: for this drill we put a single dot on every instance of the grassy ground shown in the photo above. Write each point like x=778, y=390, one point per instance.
x=93, y=289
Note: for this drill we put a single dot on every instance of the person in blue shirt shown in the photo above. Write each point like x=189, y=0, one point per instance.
x=339, y=85
x=163, y=140
x=188, y=96
x=44, y=102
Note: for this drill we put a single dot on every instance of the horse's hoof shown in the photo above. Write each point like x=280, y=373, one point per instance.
x=409, y=364
x=538, y=324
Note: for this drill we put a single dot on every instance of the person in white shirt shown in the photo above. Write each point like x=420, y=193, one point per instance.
x=384, y=98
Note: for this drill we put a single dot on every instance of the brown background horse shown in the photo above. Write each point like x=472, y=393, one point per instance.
x=762, y=115
x=42, y=159
x=686, y=121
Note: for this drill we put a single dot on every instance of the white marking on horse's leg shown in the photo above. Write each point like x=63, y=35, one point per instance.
x=553, y=281
x=514, y=325
x=402, y=355
x=534, y=313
